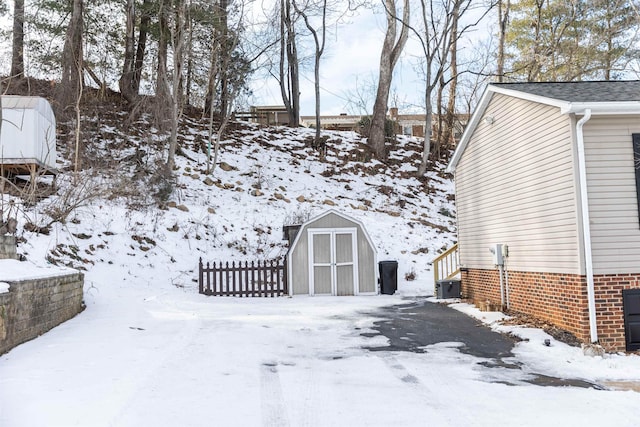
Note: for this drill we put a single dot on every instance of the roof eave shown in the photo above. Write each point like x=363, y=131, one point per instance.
x=471, y=126
x=602, y=108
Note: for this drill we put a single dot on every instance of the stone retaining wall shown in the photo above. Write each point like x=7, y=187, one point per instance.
x=8, y=247
x=32, y=307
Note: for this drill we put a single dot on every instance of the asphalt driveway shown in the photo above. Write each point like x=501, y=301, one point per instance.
x=412, y=327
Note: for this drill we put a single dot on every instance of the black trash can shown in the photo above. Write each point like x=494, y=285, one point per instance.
x=388, y=277
x=448, y=289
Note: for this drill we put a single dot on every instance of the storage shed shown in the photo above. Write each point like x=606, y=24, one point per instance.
x=28, y=137
x=332, y=254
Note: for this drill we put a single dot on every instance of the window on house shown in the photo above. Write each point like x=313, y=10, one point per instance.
x=407, y=130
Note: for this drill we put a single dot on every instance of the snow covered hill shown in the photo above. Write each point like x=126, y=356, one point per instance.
x=121, y=214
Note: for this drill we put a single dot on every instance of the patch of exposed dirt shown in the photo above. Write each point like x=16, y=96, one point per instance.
x=525, y=320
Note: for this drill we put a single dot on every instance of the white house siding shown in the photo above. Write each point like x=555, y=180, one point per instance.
x=515, y=184
x=611, y=183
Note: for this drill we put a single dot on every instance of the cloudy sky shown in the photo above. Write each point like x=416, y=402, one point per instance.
x=350, y=65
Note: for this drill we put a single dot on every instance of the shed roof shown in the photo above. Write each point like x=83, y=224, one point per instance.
x=340, y=214
x=599, y=97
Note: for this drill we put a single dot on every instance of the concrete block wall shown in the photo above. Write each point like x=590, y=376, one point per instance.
x=32, y=307
x=8, y=247
x=560, y=299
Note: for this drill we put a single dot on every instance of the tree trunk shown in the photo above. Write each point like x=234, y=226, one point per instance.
x=226, y=51
x=391, y=50
x=214, y=73
x=503, y=20
x=17, y=54
x=176, y=97
x=70, y=86
x=189, y=71
x=145, y=19
x=289, y=74
x=163, y=96
x=220, y=56
x=128, y=74
x=319, y=49
x=450, y=114
x=294, y=74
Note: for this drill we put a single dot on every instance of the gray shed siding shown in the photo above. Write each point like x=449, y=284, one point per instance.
x=613, y=207
x=298, y=256
x=516, y=184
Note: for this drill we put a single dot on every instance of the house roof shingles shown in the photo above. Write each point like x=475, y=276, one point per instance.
x=591, y=91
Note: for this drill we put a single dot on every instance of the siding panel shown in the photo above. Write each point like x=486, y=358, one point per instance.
x=515, y=184
x=613, y=207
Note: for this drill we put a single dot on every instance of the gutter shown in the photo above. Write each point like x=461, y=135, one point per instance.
x=586, y=229
x=601, y=108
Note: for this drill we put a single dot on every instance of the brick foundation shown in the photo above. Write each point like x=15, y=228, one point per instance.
x=560, y=299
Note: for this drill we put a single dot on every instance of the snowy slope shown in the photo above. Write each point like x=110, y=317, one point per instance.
x=265, y=178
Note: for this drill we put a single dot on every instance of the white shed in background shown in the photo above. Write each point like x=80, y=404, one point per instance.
x=332, y=254
x=28, y=137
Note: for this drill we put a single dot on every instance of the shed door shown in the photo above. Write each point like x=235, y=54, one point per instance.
x=333, y=262
x=631, y=304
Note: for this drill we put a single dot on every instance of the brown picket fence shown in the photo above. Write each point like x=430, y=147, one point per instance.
x=256, y=279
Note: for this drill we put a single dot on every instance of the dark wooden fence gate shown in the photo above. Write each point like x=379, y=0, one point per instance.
x=255, y=279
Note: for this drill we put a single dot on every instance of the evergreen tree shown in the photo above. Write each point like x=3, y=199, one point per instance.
x=559, y=40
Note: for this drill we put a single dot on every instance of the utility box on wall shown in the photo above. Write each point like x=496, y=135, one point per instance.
x=499, y=252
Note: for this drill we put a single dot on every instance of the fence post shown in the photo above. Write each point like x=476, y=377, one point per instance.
x=285, y=278
x=274, y=289
x=253, y=281
x=233, y=278
x=200, y=274
x=212, y=272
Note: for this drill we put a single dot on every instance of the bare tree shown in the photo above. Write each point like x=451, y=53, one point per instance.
x=219, y=53
x=391, y=50
x=504, y=6
x=447, y=120
x=17, y=52
x=289, y=76
x=177, y=39
x=227, y=73
x=72, y=60
x=145, y=20
x=319, y=42
x=163, y=95
x=439, y=35
x=125, y=83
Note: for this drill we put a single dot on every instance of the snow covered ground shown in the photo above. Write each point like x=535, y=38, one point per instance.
x=161, y=356
x=149, y=351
